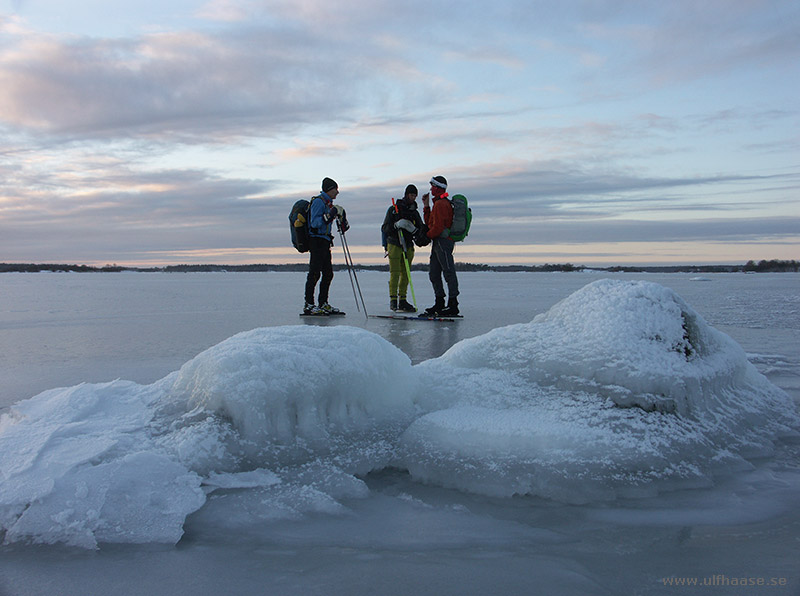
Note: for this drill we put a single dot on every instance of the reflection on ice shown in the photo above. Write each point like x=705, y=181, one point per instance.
x=621, y=389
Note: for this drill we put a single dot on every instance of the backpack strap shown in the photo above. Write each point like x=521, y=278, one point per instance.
x=310, y=227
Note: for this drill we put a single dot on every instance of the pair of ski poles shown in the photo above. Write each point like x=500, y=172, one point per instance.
x=405, y=259
x=351, y=271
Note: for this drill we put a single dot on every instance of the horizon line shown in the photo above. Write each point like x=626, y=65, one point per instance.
x=486, y=266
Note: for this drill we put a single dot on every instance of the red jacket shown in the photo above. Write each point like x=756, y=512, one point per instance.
x=440, y=217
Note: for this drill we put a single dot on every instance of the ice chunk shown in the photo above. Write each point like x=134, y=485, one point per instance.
x=122, y=462
x=75, y=469
x=280, y=384
x=637, y=343
x=48, y=436
x=620, y=389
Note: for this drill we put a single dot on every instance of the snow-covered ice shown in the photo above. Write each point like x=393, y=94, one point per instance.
x=620, y=390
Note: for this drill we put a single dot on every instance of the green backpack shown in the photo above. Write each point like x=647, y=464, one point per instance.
x=462, y=218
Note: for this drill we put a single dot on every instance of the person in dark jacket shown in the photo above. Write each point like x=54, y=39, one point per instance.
x=399, y=226
x=439, y=218
x=322, y=213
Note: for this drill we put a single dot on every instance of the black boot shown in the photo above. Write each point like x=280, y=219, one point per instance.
x=404, y=306
x=437, y=308
x=452, y=308
x=393, y=304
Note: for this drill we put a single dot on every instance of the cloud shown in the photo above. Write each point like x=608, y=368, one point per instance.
x=163, y=84
x=680, y=41
x=185, y=86
x=180, y=215
x=553, y=182
x=589, y=231
x=115, y=197
x=227, y=11
x=273, y=67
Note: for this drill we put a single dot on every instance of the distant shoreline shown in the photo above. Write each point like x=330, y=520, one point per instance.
x=773, y=266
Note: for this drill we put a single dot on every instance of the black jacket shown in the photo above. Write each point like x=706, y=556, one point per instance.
x=405, y=210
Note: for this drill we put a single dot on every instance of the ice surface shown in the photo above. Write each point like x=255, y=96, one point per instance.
x=621, y=389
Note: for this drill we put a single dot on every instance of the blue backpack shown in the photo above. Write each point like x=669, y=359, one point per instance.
x=298, y=224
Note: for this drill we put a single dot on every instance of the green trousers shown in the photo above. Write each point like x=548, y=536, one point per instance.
x=398, y=278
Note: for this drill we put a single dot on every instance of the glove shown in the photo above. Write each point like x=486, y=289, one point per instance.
x=404, y=224
x=421, y=237
x=341, y=215
x=334, y=212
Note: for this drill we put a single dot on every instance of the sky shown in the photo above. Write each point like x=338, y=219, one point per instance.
x=150, y=133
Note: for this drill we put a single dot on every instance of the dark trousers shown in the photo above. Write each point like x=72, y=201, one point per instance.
x=442, y=264
x=319, y=264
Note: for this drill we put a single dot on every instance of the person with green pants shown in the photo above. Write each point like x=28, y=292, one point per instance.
x=401, y=221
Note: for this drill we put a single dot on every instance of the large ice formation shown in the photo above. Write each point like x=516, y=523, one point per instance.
x=619, y=390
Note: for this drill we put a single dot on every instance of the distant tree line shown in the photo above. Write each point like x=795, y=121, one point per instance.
x=63, y=268
x=774, y=266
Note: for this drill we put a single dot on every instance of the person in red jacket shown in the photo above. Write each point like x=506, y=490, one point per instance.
x=439, y=218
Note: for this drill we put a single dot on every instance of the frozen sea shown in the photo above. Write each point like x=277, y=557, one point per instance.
x=637, y=438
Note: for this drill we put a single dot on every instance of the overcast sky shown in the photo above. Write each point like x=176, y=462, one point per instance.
x=599, y=132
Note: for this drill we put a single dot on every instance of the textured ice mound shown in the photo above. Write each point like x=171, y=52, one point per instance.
x=620, y=389
x=637, y=343
x=78, y=466
x=290, y=414
x=284, y=383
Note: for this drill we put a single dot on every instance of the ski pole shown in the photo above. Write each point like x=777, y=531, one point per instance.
x=349, y=271
x=402, y=238
x=355, y=277
x=351, y=268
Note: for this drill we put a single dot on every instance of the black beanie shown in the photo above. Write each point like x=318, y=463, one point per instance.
x=410, y=189
x=328, y=184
